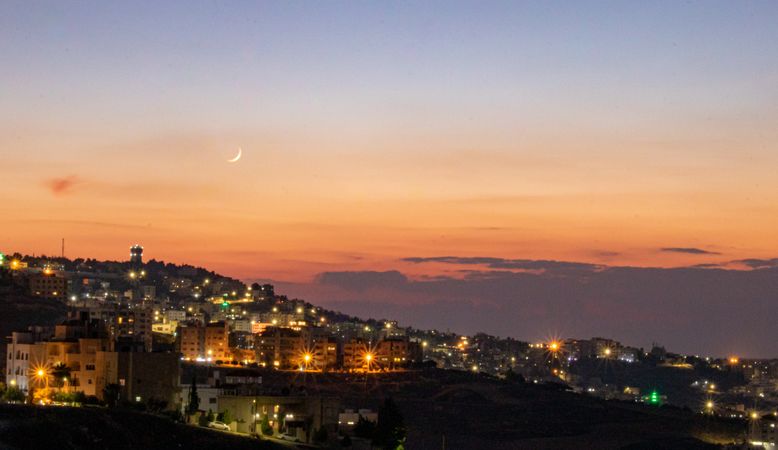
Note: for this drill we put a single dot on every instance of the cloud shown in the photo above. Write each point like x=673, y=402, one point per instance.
x=362, y=280
x=689, y=310
x=550, y=267
x=759, y=263
x=62, y=186
x=688, y=250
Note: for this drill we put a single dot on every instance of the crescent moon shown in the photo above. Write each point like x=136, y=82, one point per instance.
x=237, y=157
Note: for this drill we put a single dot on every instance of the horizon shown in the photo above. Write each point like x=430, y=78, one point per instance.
x=517, y=167
x=367, y=294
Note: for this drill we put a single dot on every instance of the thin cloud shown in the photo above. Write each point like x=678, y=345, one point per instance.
x=755, y=263
x=63, y=185
x=688, y=251
x=507, y=264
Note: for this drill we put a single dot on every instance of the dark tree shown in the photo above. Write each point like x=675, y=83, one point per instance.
x=265, y=426
x=364, y=428
x=194, y=399
x=320, y=436
x=111, y=394
x=390, y=429
x=59, y=373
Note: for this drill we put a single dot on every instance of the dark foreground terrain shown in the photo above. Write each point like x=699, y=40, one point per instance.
x=468, y=411
x=31, y=427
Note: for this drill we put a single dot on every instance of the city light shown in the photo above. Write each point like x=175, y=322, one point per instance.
x=734, y=360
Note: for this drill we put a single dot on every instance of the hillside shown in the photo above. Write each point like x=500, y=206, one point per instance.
x=473, y=411
x=30, y=427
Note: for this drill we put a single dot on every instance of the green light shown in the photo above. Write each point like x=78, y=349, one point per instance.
x=225, y=305
x=654, y=398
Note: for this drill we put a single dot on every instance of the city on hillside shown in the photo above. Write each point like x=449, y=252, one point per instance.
x=212, y=351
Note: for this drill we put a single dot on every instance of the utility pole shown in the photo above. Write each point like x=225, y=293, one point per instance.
x=63, y=247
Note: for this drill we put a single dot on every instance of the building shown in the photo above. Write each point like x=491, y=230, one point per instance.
x=764, y=433
x=396, y=353
x=24, y=354
x=122, y=322
x=357, y=354
x=300, y=416
x=217, y=336
x=280, y=347
x=262, y=292
x=149, y=292
x=48, y=284
x=324, y=353
x=144, y=376
x=348, y=419
x=136, y=254
x=204, y=342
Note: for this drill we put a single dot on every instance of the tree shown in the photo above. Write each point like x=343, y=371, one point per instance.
x=364, y=428
x=111, y=394
x=194, y=399
x=59, y=373
x=390, y=429
x=13, y=395
x=320, y=436
x=226, y=417
x=265, y=426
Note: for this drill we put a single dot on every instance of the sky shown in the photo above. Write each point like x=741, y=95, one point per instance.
x=619, y=134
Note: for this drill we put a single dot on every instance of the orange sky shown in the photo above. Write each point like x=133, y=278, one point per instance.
x=373, y=133
x=296, y=205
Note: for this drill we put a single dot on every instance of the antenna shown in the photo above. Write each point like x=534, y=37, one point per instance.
x=63, y=247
